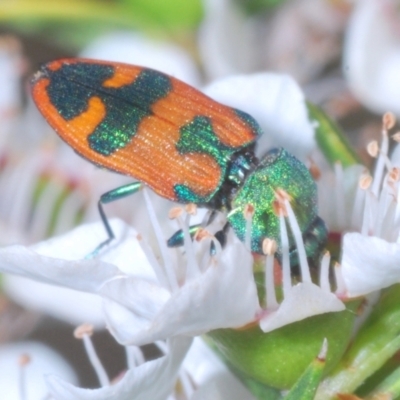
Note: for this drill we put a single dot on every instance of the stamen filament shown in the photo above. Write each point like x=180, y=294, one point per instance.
x=270, y=300
x=339, y=194
x=192, y=268
x=95, y=361
x=356, y=215
x=161, y=243
x=340, y=284
x=287, y=281
x=134, y=356
x=324, y=272
x=248, y=215
x=84, y=332
x=167, y=280
x=23, y=361
x=390, y=226
x=298, y=237
x=383, y=202
x=380, y=164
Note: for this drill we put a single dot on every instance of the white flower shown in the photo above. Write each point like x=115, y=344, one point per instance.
x=23, y=366
x=211, y=378
x=225, y=33
x=52, y=262
x=199, y=292
x=151, y=380
x=371, y=58
x=136, y=49
x=191, y=294
x=366, y=207
x=277, y=104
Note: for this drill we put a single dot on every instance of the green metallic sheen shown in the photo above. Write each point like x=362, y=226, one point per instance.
x=249, y=120
x=73, y=85
x=184, y=194
x=278, y=170
x=198, y=136
x=124, y=116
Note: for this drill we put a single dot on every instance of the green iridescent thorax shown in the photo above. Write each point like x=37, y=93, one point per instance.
x=277, y=170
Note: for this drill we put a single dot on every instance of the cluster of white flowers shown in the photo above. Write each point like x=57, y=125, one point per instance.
x=145, y=292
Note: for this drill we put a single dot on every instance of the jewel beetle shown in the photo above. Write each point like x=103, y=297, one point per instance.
x=185, y=146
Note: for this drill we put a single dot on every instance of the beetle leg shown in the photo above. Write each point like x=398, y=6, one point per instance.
x=108, y=197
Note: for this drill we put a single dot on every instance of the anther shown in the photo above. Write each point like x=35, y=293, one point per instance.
x=201, y=234
x=24, y=359
x=282, y=195
x=314, y=170
x=388, y=121
x=191, y=209
x=396, y=137
x=373, y=148
x=269, y=246
x=175, y=212
x=248, y=211
x=83, y=330
x=394, y=174
x=365, y=181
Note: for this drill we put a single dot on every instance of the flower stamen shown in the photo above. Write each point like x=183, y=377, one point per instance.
x=339, y=192
x=134, y=356
x=248, y=213
x=286, y=276
x=84, y=332
x=380, y=164
x=23, y=361
x=324, y=272
x=269, y=249
x=340, y=284
x=161, y=243
x=298, y=237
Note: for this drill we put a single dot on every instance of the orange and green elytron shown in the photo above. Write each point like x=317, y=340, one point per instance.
x=183, y=145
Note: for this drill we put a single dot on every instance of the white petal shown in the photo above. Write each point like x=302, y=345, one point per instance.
x=43, y=360
x=278, y=105
x=224, y=33
x=135, y=49
x=337, y=212
x=60, y=260
x=43, y=263
x=304, y=300
x=68, y=305
x=212, y=378
x=369, y=263
x=223, y=296
x=372, y=55
x=153, y=380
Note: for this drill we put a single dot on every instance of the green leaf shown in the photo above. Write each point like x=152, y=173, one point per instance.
x=306, y=386
x=389, y=387
x=331, y=139
x=147, y=15
x=280, y=357
x=374, y=344
x=257, y=6
x=171, y=14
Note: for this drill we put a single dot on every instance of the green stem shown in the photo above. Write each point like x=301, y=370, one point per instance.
x=376, y=342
